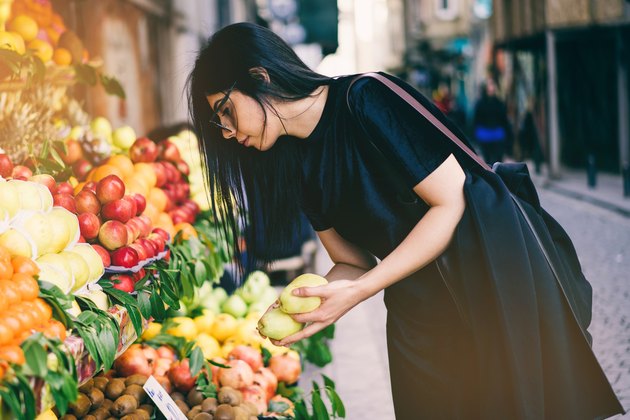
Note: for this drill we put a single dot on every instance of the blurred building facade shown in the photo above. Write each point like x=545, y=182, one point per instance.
x=568, y=60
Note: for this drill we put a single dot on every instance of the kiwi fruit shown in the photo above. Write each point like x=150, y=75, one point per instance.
x=141, y=415
x=178, y=396
x=250, y=407
x=203, y=416
x=137, y=392
x=136, y=379
x=101, y=413
x=89, y=417
x=228, y=395
x=182, y=406
x=224, y=412
x=81, y=406
x=107, y=404
x=114, y=389
x=194, y=397
x=146, y=407
x=68, y=417
x=87, y=386
x=100, y=382
x=209, y=405
x=193, y=412
x=123, y=405
x=97, y=397
x=240, y=413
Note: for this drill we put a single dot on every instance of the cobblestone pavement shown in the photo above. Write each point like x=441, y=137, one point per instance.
x=602, y=240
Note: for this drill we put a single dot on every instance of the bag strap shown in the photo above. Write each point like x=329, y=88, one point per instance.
x=422, y=110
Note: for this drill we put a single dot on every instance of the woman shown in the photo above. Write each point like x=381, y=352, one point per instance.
x=277, y=136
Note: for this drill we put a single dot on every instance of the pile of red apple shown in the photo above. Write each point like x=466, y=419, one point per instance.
x=110, y=219
x=170, y=170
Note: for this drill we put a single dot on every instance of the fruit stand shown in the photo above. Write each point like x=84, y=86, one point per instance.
x=110, y=262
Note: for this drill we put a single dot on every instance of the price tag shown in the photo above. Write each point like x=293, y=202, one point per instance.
x=162, y=400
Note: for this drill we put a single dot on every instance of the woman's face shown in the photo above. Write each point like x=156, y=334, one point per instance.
x=242, y=119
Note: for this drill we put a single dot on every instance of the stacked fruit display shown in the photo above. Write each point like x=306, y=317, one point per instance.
x=22, y=312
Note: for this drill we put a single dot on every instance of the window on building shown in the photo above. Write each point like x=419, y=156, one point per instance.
x=446, y=9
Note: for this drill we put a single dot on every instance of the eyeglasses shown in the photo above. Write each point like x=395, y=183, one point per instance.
x=215, y=120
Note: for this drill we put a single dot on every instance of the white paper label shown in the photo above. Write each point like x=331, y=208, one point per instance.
x=162, y=400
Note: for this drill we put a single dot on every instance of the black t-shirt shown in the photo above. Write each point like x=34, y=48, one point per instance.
x=344, y=187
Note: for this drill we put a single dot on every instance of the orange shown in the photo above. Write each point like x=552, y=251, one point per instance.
x=24, y=265
x=123, y=163
x=55, y=329
x=146, y=172
x=6, y=333
x=12, y=354
x=103, y=171
x=187, y=230
x=165, y=222
x=44, y=310
x=78, y=187
x=151, y=212
x=3, y=303
x=26, y=286
x=42, y=49
x=10, y=292
x=158, y=198
x=27, y=319
x=13, y=323
x=25, y=26
x=6, y=269
x=62, y=57
x=137, y=185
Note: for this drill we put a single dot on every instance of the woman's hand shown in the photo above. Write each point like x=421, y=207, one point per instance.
x=338, y=297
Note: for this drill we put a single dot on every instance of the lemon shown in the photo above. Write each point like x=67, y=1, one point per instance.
x=152, y=330
x=79, y=267
x=185, y=327
x=204, y=322
x=25, y=26
x=47, y=415
x=224, y=326
x=209, y=346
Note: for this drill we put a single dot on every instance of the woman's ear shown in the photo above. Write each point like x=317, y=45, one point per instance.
x=259, y=73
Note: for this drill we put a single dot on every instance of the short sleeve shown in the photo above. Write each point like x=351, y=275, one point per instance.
x=404, y=136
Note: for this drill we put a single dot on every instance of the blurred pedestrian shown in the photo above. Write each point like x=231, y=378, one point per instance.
x=528, y=139
x=486, y=334
x=491, y=127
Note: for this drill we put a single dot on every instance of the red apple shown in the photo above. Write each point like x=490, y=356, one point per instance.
x=179, y=216
x=89, y=225
x=132, y=202
x=141, y=251
x=102, y=252
x=158, y=240
x=81, y=168
x=66, y=201
x=139, y=275
x=160, y=174
x=130, y=234
x=112, y=235
x=21, y=171
x=65, y=188
x=164, y=234
x=6, y=166
x=87, y=202
x=90, y=186
x=120, y=210
x=125, y=257
x=182, y=167
x=172, y=174
x=133, y=227
x=168, y=151
x=123, y=282
x=110, y=188
x=146, y=225
x=141, y=203
x=151, y=248
x=192, y=204
x=81, y=239
x=47, y=180
x=143, y=150
x=73, y=152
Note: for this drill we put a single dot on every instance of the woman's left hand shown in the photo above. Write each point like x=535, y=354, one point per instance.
x=338, y=297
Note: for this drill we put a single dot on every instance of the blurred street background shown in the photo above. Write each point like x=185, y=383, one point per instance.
x=558, y=69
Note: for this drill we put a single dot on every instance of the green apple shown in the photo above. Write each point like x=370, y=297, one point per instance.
x=101, y=127
x=295, y=304
x=123, y=137
x=220, y=295
x=254, y=286
x=268, y=296
x=235, y=306
x=276, y=324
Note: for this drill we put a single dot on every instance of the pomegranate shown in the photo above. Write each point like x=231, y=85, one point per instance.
x=215, y=369
x=180, y=376
x=286, y=368
x=237, y=376
x=162, y=366
x=256, y=395
x=133, y=361
x=266, y=379
x=166, y=384
x=166, y=352
x=247, y=354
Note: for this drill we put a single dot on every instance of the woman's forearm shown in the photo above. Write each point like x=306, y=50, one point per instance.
x=342, y=271
x=426, y=241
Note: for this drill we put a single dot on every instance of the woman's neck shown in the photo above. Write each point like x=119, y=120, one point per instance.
x=301, y=117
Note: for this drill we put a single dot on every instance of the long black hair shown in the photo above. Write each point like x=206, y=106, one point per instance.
x=256, y=191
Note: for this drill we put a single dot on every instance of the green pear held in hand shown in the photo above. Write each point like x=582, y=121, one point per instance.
x=292, y=304
x=277, y=325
